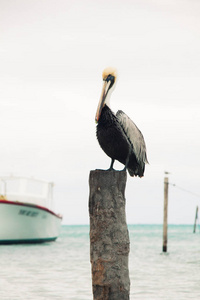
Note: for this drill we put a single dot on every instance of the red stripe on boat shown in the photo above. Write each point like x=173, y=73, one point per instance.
x=30, y=205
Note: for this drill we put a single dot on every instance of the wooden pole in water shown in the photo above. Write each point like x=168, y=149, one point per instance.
x=165, y=214
x=195, y=220
x=109, y=238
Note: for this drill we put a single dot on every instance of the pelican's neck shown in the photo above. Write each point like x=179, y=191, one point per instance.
x=107, y=102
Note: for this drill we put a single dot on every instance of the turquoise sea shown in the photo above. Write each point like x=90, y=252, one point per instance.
x=61, y=269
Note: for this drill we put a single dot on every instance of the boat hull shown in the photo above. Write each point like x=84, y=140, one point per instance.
x=27, y=223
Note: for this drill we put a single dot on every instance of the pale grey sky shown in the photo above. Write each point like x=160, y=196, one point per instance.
x=52, y=53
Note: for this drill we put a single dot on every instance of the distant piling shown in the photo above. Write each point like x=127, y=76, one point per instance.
x=166, y=183
x=109, y=238
x=195, y=220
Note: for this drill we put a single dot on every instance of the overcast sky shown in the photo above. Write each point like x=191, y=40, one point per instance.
x=52, y=54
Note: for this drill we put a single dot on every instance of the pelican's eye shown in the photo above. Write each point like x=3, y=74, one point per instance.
x=110, y=78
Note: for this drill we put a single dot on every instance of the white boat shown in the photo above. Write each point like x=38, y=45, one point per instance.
x=26, y=211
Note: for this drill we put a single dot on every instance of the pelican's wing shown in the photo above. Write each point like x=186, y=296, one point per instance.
x=134, y=135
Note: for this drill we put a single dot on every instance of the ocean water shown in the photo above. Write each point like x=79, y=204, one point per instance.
x=61, y=269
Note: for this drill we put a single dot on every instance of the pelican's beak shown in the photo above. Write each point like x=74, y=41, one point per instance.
x=102, y=100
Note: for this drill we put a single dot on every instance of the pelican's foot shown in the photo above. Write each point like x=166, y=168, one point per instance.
x=111, y=169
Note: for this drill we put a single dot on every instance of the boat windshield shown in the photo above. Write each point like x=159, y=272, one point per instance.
x=27, y=190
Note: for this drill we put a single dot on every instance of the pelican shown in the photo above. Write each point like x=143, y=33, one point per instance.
x=117, y=135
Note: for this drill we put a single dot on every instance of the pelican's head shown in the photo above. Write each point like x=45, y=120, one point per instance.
x=109, y=80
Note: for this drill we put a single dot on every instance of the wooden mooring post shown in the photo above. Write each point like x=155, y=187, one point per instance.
x=195, y=220
x=165, y=214
x=109, y=238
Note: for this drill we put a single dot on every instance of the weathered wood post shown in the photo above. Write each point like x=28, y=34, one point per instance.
x=165, y=214
x=195, y=220
x=109, y=238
